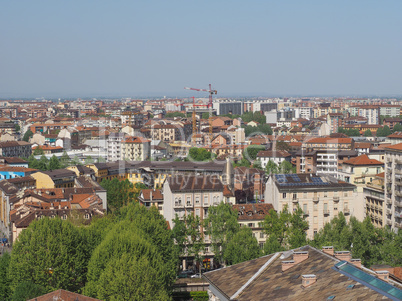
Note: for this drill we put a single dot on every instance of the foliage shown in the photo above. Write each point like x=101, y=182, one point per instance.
x=271, y=167
x=242, y=246
x=196, y=296
x=54, y=163
x=38, y=151
x=284, y=168
x=397, y=128
x=251, y=152
x=259, y=129
x=4, y=279
x=175, y=114
x=205, y=115
x=17, y=127
x=27, y=290
x=367, y=133
x=119, y=193
x=199, y=154
x=243, y=162
x=188, y=237
x=253, y=116
x=221, y=225
x=44, y=164
x=372, y=245
x=349, y=132
x=384, y=131
x=50, y=253
x=140, y=235
x=284, y=230
x=28, y=134
x=257, y=164
x=130, y=278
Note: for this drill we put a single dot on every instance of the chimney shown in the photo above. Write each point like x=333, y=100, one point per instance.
x=328, y=250
x=357, y=262
x=343, y=255
x=150, y=195
x=308, y=280
x=297, y=258
x=383, y=275
x=51, y=206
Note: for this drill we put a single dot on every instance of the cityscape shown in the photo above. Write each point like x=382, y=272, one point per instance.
x=141, y=162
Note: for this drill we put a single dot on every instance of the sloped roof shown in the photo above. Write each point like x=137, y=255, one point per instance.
x=182, y=183
x=273, y=154
x=363, y=160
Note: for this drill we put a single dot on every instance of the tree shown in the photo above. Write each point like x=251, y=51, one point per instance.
x=243, y=162
x=119, y=193
x=28, y=134
x=259, y=129
x=281, y=145
x=250, y=152
x=27, y=290
x=221, y=225
x=271, y=167
x=64, y=160
x=38, y=151
x=54, y=163
x=175, y=114
x=4, y=279
x=384, y=131
x=397, y=128
x=17, y=127
x=242, y=247
x=254, y=116
x=284, y=230
x=367, y=133
x=257, y=164
x=128, y=278
x=43, y=163
x=89, y=160
x=199, y=154
x=286, y=167
x=49, y=253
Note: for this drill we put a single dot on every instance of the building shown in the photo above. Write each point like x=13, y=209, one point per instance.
x=276, y=156
x=135, y=148
x=61, y=295
x=58, y=178
x=15, y=149
x=321, y=198
x=329, y=143
x=305, y=273
x=252, y=216
x=152, y=197
x=113, y=143
x=228, y=107
x=375, y=200
x=393, y=186
x=372, y=113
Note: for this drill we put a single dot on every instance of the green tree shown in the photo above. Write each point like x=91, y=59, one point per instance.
x=128, y=278
x=259, y=129
x=253, y=116
x=32, y=162
x=271, y=167
x=28, y=134
x=243, y=162
x=175, y=114
x=257, y=164
x=43, y=163
x=89, y=160
x=4, y=279
x=250, y=152
x=221, y=225
x=17, y=127
x=384, y=131
x=397, y=128
x=367, y=133
x=54, y=163
x=242, y=247
x=281, y=145
x=27, y=290
x=50, y=253
x=199, y=154
x=119, y=193
x=64, y=160
x=286, y=167
x=38, y=151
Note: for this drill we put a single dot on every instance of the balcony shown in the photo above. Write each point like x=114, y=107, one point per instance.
x=398, y=225
x=326, y=212
x=178, y=205
x=336, y=199
x=306, y=213
x=316, y=199
x=398, y=203
x=295, y=200
x=398, y=193
x=388, y=222
x=389, y=212
x=346, y=211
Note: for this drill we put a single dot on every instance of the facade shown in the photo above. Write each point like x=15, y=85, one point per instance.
x=58, y=178
x=275, y=156
x=393, y=186
x=15, y=149
x=375, y=200
x=321, y=198
x=113, y=143
x=135, y=148
x=152, y=197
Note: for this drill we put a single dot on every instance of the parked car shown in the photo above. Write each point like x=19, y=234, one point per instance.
x=185, y=274
x=198, y=275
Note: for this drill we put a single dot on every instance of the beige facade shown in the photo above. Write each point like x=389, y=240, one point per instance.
x=135, y=149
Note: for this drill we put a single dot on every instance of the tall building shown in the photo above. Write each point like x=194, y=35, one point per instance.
x=113, y=143
x=393, y=186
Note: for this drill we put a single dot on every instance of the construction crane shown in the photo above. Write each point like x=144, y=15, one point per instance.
x=211, y=92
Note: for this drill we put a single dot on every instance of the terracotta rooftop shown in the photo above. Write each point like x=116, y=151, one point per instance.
x=363, y=160
x=252, y=211
x=155, y=193
x=397, y=147
x=273, y=154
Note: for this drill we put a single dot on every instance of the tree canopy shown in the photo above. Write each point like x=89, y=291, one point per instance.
x=119, y=193
x=349, y=132
x=241, y=247
x=199, y=154
x=28, y=134
x=384, y=131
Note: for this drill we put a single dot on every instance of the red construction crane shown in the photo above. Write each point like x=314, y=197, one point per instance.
x=211, y=92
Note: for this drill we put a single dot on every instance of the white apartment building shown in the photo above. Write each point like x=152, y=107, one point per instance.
x=393, y=186
x=304, y=112
x=135, y=148
x=321, y=198
x=113, y=144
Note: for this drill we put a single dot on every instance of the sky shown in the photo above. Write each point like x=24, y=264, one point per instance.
x=85, y=48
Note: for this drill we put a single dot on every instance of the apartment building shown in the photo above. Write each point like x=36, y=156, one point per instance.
x=135, y=148
x=372, y=113
x=335, y=121
x=375, y=200
x=15, y=149
x=113, y=146
x=393, y=186
x=321, y=198
x=276, y=156
x=326, y=143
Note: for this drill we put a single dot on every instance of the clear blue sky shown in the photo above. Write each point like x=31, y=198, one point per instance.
x=92, y=48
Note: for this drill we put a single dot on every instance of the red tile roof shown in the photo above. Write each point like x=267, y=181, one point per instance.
x=363, y=160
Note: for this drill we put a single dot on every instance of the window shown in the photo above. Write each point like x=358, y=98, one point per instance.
x=64, y=217
x=86, y=216
x=294, y=196
x=284, y=195
x=251, y=225
x=197, y=212
x=325, y=194
x=315, y=207
x=206, y=200
x=188, y=201
x=305, y=195
x=261, y=234
x=305, y=208
x=315, y=219
x=261, y=245
x=197, y=200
